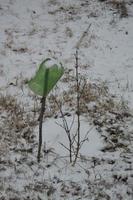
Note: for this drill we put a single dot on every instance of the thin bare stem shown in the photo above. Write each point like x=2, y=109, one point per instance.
x=78, y=108
x=82, y=37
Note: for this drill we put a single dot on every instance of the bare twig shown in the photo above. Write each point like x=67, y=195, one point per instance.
x=64, y=146
x=78, y=108
x=85, y=137
x=75, y=142
x=82, y=37
x=67, y=130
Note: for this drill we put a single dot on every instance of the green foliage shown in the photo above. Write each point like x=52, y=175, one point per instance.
x=45, y=78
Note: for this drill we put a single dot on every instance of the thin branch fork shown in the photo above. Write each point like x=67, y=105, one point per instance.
x=67, y=130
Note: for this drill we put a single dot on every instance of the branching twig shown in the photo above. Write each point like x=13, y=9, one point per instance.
x=67, y=130
x=85, y=137
x=75, y=142
x=64, y=146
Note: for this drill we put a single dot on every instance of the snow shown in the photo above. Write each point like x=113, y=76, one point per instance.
x=53, y=135
x=32, y=31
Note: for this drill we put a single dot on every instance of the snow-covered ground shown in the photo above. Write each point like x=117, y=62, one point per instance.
x=33, y=30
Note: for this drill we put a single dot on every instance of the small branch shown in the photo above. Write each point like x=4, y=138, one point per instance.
x=71, y=125
x=64, y=146
x=78, y=108
x=82, y=37
x=83, y=87
x=85, y=137
x=67, y=130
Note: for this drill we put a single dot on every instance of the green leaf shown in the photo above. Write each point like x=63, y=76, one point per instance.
x=46, y=78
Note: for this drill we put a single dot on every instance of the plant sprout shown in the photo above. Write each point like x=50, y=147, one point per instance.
x=41, y=84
